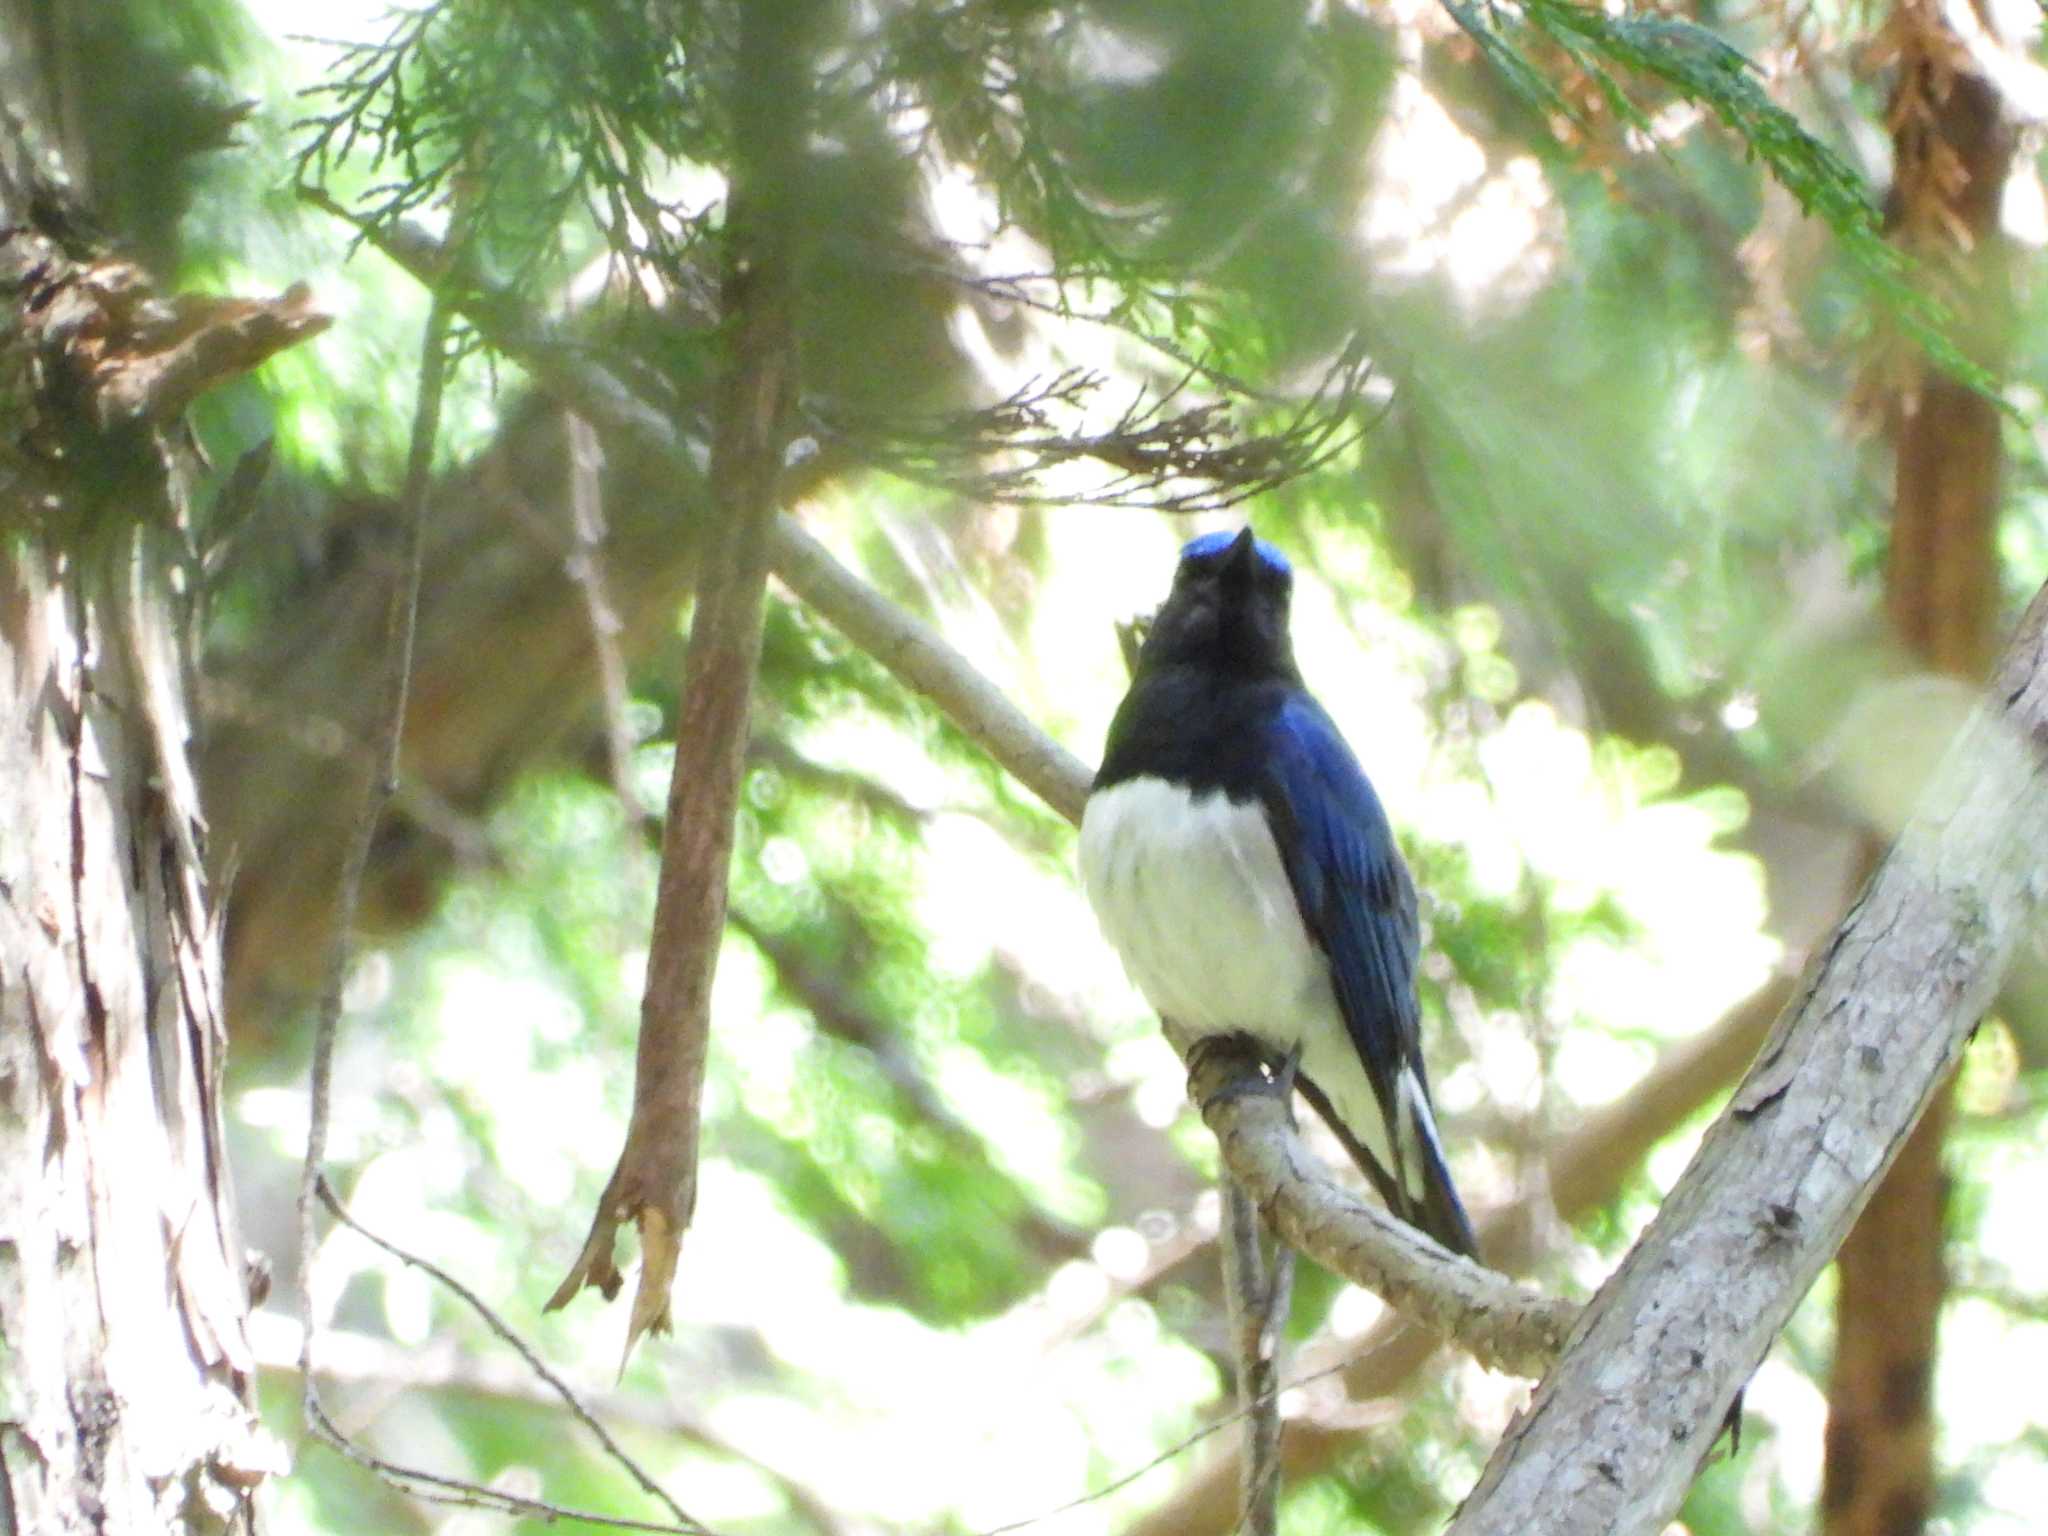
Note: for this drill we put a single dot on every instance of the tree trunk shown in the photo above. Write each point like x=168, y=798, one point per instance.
x=1952, y=152
x=123, y=1295
x=124, y=1288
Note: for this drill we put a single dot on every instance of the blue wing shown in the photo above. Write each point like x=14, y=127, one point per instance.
x=1349, y=882
x=1356, y=898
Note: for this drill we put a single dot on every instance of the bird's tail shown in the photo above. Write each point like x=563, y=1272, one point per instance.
x=1442, y=1213
x=1435, y=1208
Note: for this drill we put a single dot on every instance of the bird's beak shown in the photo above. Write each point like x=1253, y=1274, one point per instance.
x=1237, y=565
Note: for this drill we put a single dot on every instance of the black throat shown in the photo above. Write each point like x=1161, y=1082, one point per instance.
x=1193, y=726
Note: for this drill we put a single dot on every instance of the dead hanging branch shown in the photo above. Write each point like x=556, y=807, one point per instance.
x=654, y=1185
x=1165, y=451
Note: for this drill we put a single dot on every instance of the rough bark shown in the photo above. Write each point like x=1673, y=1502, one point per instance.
x=1617, y=1431
x=124, y=1288
x=1952, y=152
x=655, y=1182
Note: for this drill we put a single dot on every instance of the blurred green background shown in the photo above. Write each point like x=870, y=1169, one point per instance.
x=1593, y=588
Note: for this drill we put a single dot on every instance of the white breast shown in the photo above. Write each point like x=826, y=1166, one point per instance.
x=1191, y=892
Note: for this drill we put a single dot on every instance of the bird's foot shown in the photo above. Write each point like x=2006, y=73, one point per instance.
x=1241, y=1061
x=1284, y=1074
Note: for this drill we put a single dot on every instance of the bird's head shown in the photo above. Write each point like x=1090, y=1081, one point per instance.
x=1227, y=611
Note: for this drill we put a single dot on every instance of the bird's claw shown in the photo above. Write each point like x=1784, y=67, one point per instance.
x=1284, y=1075
x=1275, y=1081
x=1245, y=1060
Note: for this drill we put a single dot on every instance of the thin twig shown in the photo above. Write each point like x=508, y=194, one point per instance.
x=400, y=1371
x=437, y=1489
x=399, y=619
x=586, y=568
x=400, y=614
x=1180, y=1447
x=1185, y=460
x=524, y=1350
x=400, y=611
x=1192, y=460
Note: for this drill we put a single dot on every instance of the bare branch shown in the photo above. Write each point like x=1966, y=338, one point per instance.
x=437, y=1489
x=366, y=1361
x=1498, y=1322
x=1617, y=1431
x=526, y=1352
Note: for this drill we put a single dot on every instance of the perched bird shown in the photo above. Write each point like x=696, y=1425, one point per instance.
x=1241, y=865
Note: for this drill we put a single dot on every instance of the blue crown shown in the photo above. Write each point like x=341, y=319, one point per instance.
x=1216, y=543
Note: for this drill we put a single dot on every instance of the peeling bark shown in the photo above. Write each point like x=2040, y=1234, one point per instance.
x=124, y=1288
x=126, y=1395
